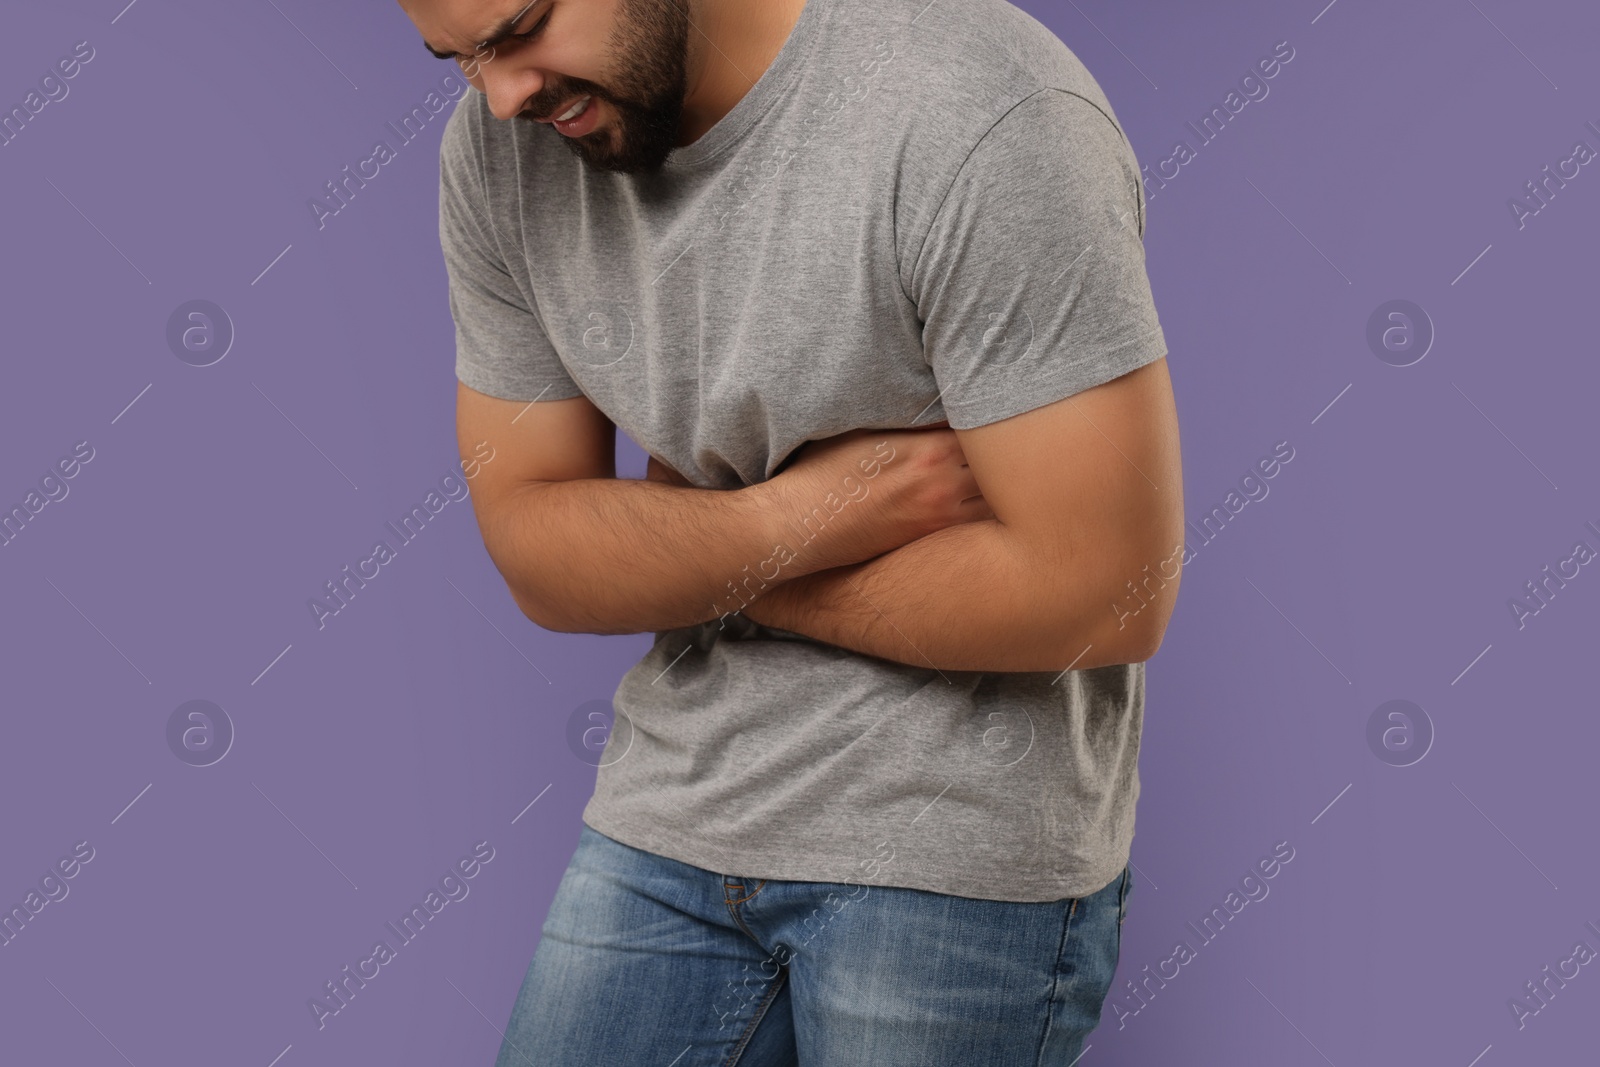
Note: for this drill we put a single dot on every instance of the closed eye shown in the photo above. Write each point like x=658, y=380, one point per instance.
x=537, y=29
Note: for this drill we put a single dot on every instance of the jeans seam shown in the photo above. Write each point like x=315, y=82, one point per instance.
x=1055, y=984
x=733, y=910
x=747, y=931
x=759, y=886
x=761, y=1013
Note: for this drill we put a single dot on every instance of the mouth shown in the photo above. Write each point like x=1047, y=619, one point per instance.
x=574, y=111
x=577, y=119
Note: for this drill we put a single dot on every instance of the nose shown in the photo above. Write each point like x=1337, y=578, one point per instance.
x=508, y=88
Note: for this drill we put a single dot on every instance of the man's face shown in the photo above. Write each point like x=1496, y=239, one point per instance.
x=629, y=57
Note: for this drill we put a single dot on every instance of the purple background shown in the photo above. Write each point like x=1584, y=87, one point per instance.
x=428, y=714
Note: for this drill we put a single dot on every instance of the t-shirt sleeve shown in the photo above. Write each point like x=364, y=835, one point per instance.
x=501, y=345
x=1031, y=284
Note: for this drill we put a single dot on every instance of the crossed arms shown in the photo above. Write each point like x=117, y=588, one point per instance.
x=1087, y=497
x=1078, y=568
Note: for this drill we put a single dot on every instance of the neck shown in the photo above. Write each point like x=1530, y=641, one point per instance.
x=731, y=44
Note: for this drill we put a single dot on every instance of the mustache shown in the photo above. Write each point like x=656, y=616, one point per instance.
x=547, y=104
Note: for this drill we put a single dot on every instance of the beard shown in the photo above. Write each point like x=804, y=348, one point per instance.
x=650, y=45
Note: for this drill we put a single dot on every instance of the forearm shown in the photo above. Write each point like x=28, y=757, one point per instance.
x=965, y=598
x=621, y=556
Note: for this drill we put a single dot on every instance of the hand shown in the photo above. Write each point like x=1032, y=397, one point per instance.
x=897, y=486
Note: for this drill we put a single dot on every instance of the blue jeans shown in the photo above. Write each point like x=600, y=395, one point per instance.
x=648, y=962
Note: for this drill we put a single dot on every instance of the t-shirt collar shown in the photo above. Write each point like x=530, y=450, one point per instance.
x=772, y=84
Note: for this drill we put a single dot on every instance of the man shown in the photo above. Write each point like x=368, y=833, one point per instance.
x=866, y=279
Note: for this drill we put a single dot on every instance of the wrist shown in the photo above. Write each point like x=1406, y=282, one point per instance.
x=792, y=543
x=774, y=606
x=816, y=527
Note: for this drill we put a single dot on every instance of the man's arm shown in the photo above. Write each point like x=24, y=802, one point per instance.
x=584, y=552
x=581, y=550
x=1079, y=568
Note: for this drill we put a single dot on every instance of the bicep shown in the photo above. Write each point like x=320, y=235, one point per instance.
x=527, y=442
x=1090, y=486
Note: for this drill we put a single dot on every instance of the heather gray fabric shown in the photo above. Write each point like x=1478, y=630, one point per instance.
x=919, y=212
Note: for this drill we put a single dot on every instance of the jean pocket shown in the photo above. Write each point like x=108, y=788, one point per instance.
x=1122, y=894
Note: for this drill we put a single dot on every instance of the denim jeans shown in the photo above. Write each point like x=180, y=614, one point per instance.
x=648, y=962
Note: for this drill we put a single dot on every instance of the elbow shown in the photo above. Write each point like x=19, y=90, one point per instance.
x=1139, y=637
x=1129, y=644
x=541, y=619
x=1137, y=621
x=538, y=613
x=567, y=623
x=1087, y=644
x=1144, y=644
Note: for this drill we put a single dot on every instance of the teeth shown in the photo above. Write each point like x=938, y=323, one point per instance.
x=574, y=111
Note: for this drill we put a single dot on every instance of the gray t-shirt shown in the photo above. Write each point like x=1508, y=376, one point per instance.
x=918, y=212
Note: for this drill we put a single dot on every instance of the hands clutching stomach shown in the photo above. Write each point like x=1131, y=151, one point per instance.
x=902, y=484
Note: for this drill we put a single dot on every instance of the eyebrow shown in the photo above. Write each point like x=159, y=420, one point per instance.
x=500, y=32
